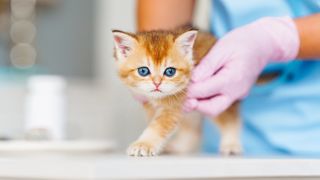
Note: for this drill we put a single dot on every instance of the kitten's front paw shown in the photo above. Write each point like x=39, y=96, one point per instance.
x=141, y=148
x=231, y=149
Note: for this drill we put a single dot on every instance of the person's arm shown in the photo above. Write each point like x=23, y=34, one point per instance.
x=309, y=32
x=163, y=14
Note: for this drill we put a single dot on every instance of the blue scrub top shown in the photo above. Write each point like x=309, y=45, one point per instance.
x=282, y=117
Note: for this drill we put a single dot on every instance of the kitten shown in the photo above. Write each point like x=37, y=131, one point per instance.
x=158, y=65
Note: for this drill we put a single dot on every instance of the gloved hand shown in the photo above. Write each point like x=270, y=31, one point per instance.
x=232, y=66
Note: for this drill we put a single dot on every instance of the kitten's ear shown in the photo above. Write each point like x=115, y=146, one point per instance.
x=124, y=43
x=185, y=42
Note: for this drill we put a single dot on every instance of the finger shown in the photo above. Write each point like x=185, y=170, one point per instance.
x=208, y=87
x=214, y=106
x=189, y=105
x=207, y=67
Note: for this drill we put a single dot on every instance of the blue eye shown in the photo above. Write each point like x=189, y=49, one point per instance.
x=143, y=71
x=170, y=71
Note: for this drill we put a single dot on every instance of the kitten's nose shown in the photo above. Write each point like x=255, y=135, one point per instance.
x=156, y=81
x=157, y=84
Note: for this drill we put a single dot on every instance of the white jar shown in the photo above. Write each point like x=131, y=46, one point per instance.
x=45, y=108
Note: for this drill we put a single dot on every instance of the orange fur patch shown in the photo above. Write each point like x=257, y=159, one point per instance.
x=157, y=44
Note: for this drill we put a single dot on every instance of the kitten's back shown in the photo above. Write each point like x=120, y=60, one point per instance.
x=203, y=44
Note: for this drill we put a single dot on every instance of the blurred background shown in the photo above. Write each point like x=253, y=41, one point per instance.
x=71, y=40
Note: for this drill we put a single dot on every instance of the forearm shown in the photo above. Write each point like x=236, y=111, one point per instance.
x=163, y=14
x=309, y=32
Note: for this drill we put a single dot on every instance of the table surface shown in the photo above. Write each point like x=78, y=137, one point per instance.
x=119, y=166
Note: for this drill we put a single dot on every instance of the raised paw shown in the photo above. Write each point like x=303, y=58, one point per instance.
x=142, y=149
x=230, y=149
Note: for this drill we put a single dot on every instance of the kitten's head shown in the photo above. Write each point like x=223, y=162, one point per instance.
x=155, y=64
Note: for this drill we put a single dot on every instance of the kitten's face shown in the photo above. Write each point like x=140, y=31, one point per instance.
x=155, y=64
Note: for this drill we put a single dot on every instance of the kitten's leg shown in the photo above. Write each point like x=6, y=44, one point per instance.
x=229, y=124
x=154, y=137
x=150, y=111
x=188, y=136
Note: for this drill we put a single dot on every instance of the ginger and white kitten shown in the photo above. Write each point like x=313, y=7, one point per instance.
x=158, y=65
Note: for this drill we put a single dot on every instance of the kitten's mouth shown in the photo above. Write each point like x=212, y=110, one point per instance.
x=156, y=90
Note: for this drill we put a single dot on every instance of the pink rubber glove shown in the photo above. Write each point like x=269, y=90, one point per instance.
x=232, y=66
